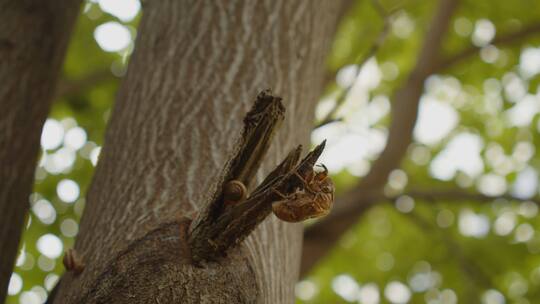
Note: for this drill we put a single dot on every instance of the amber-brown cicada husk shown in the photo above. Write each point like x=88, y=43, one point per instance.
x=314, y=200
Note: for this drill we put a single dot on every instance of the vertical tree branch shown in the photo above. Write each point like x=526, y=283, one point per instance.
x=33, y=40
x=407, y=98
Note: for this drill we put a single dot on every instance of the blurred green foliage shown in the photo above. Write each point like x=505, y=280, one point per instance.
x=436, y=260
x=426, y=253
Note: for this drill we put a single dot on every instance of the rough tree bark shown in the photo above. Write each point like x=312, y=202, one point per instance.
x=196, y=69
x=33, y=40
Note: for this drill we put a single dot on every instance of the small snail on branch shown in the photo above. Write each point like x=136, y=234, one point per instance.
x=234, y=192
x=72, y=261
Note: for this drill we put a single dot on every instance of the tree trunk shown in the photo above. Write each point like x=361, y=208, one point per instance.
x=33, y=40
x=195, y=72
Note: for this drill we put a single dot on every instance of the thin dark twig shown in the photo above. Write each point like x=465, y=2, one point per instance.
x=512, y=38
x=462, y=195
x=361, y=60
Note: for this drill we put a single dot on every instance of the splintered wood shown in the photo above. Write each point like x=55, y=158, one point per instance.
x=293, y=191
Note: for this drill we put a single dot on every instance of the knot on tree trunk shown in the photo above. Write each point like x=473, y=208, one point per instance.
x=163, y=255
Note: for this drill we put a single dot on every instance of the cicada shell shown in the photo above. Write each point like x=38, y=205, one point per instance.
x=315, y=200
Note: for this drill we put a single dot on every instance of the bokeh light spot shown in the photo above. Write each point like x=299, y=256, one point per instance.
x=75, y=138
x=52, y=134
x=397, y=179
x=40, y=292
x=472, y=224
x=124, y=10
x=46, y=264
x=28, y=263
x=50, y=246
x=526, y=184
x=435, y=120
x=461, y=153
x=505, y=223
x=346, y=76
x=489, y=54
x=346, y=287
x=405, y=204
x=448, y=296
x=484, y=32
x=50, y=281
x=305, y=290
x=397, y=292
x=94, y=155
x=528, y=209
x=403, y=25
x=69, y=227
x=45, y=212
x=524, y=232
x=445, y=218
x=112, y=36
x=524, y=111
x=15, y=284
x=29, y=297
x=529, y=62
x=493, y=296
x=67, y=190
x=369, y=294
x=492, y=184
